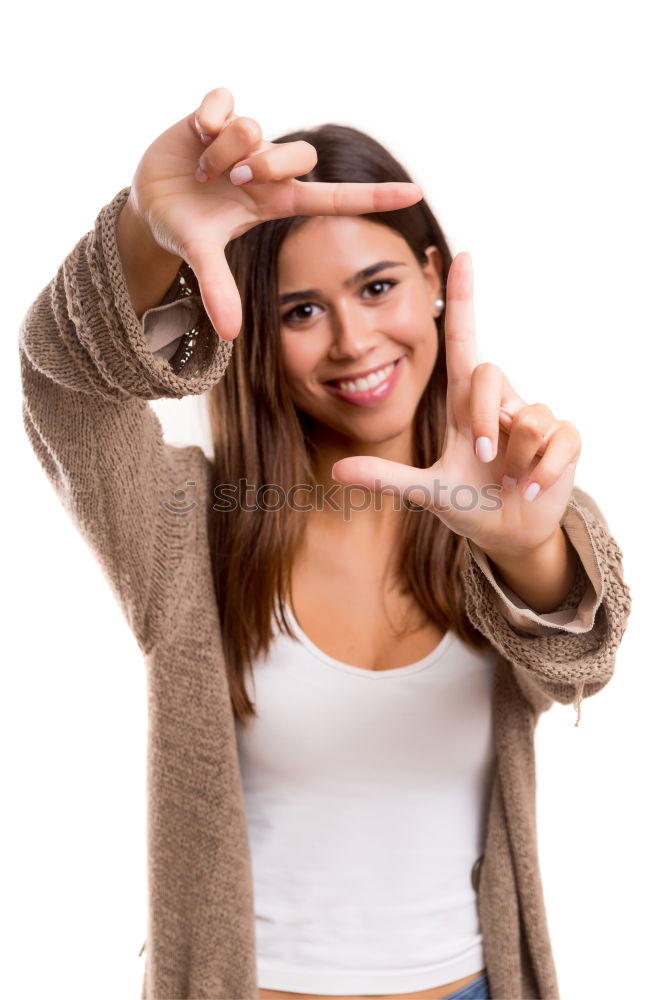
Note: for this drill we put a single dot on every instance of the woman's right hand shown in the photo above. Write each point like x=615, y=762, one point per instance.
x=195, y=219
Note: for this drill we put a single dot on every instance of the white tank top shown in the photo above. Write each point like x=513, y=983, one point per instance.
x=366, y=796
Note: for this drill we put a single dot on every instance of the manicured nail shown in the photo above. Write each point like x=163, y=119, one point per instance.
x=484, y=449
x=201, y=175
x=531, y=491
x=508, y=482
x=241, y=175
x=204, y=136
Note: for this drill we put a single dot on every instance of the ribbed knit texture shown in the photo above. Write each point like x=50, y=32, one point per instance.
x=87, y=376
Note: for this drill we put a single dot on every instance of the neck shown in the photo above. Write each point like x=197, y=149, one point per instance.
x=361, y=514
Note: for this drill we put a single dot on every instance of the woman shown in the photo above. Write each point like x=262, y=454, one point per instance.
x=368, y=517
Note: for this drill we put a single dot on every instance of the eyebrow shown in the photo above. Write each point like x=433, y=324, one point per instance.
x=366, y=272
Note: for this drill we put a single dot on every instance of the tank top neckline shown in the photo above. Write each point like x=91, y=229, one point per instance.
x=409, y=668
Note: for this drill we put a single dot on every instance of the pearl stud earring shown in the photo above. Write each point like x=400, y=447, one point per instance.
x=439, y=304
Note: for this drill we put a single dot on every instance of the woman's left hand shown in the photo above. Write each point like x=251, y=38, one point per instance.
x=523, y=441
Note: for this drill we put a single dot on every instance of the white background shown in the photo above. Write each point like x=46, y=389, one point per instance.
x=535, y=131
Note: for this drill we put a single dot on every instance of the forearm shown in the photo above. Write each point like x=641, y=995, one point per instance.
x=542, y=578
x=149, y=270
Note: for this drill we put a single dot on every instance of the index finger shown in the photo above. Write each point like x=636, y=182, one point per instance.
x=459, y=338
x=322, y=198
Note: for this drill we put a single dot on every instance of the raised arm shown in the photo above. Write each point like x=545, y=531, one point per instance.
x=517, y=463
x=87, y=376
x=567, y=654
x=88, y=372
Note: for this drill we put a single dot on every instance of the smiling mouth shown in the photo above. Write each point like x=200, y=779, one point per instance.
x=368, y=380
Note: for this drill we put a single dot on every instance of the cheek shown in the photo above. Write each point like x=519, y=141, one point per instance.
x=298, y=361
x=411, y=325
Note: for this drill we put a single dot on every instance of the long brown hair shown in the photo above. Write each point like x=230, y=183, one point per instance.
x=260, y=438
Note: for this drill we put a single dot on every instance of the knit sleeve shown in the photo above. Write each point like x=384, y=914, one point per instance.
x=567, y=654
x=87, y=376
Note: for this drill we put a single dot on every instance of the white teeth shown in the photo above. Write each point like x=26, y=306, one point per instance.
x=369, y=382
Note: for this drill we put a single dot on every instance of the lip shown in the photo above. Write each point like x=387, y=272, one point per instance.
x=368, y=371
x=369, y=397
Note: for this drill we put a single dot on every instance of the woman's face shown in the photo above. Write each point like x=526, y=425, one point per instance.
x=339, y=326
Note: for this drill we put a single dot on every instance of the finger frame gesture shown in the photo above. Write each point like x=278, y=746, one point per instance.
x=506, y=469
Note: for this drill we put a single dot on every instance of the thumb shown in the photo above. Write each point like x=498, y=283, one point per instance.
x=382, y=476
x=219, y=293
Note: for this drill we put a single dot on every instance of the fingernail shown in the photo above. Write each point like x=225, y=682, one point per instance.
x=531, y=491
x=204, y=136
x=508, y=482
x=241, y=175
x=484, y=449
x=201, y=175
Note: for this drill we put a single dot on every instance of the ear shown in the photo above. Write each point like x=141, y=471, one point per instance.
x=433, y=271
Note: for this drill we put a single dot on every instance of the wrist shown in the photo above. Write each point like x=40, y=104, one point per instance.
x=508, y=555
x=541, y=576
x=138, y=240
x=149, y=269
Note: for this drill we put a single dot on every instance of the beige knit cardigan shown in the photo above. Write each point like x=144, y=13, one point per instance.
x=88, y=373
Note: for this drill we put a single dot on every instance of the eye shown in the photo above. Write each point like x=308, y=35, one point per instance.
x=382, y=281
x=290, y=317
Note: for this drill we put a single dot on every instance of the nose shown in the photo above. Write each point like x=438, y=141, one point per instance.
x=352, y=333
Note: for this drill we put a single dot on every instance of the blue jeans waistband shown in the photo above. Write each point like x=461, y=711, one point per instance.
x=477, y=989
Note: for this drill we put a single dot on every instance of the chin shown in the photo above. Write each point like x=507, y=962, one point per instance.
x=369, y=428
